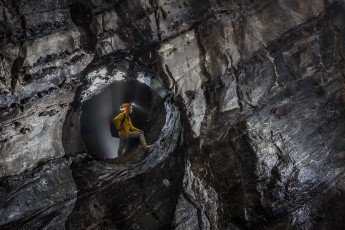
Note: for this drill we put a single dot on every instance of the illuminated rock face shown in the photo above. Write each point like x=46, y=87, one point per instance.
x=252, y=127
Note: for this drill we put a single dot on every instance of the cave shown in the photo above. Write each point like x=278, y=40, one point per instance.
x=106, y=86
x=87, y=126
x=99, y=111
x=242, y=101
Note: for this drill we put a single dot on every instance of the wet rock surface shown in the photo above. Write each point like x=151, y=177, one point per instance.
x=42, y=198
x=253, y=124
x=131, y=195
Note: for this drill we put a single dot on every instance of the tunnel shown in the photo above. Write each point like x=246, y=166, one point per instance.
x=87, y=140
x=100, y=110
x=87, y=126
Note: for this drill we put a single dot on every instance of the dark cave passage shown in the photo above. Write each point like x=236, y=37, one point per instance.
x=106, y=87
x=99, y=111
x=136, y=174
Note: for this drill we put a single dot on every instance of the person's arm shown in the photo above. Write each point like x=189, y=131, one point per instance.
x=131, y=127
x=118, y=120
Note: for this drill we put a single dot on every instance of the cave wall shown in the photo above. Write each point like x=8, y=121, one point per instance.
x=260, y=85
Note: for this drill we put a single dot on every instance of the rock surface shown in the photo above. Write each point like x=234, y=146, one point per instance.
x=251, y=136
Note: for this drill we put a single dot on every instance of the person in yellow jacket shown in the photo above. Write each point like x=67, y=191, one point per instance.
x=126, y=129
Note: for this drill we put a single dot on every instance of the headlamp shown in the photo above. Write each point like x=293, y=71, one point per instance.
x=122, y=107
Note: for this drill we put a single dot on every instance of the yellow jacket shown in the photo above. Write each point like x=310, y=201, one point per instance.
x=127, y=125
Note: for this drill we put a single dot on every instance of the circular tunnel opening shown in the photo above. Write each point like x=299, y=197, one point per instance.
x=155, y=112
x=107, y=83
x=98, y=113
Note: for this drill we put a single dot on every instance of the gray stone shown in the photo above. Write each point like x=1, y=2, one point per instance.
x=107, y=26
x=181, y=68
x=42, y=142
x=47, y=22
x=249, y=136
x=186, y=216
x=22, y=207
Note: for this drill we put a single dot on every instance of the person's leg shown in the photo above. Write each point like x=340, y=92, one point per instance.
x=142, y=140
x=122, y=144
x=140, y=135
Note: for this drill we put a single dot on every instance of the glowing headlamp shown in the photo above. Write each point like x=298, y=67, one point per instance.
x=122, y=108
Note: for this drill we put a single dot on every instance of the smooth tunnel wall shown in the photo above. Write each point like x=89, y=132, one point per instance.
x=99, y=111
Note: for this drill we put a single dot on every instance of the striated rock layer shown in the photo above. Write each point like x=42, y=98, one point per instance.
x=249, y=104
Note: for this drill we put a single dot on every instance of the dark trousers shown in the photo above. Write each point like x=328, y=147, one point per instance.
x=131, y=135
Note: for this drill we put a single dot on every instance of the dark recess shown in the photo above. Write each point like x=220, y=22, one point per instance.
x=81, y=16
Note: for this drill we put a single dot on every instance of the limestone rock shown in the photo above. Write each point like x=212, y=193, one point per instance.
x=181, y=68
x=20, y=150
x=249, y=102
x=107, y=26
x=22, y=207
